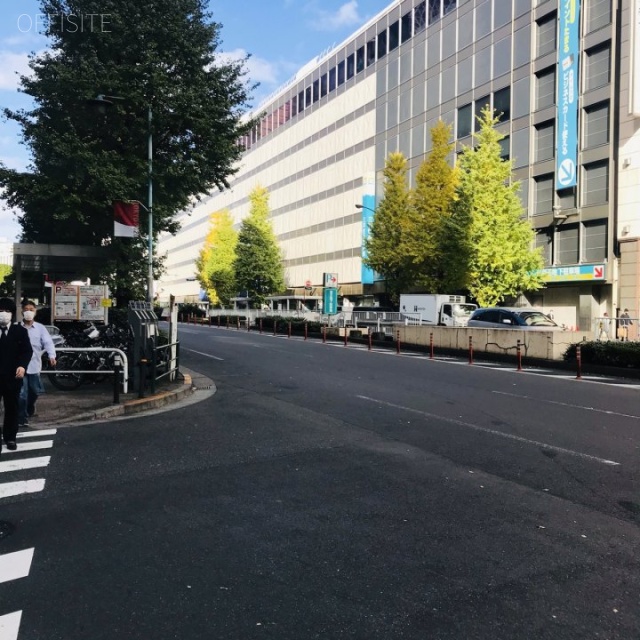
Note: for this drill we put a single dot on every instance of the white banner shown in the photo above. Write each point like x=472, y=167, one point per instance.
x=634, y=59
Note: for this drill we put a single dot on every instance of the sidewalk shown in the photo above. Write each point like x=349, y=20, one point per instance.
x=95, y=401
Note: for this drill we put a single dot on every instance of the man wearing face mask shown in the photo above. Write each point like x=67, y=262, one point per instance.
x=40, y=342
x=15, y=354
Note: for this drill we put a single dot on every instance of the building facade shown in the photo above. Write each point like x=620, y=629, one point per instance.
x=564, y=74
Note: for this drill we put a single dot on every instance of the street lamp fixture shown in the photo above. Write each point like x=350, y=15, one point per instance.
x=102, y=102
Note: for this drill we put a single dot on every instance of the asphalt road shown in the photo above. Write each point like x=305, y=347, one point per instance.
x=328, y=492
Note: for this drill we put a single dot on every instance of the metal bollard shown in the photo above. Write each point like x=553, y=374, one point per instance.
x=289, y=330
x=237, y=323
x=579, y=361
x=117, y=370
x=370, y=335
x=519, y=355
x=431, y=346
x=398, y=342
x=346, y=336
x=306, y=329
x=260, y=324
x=275, y=327
x=470, y=349
x=143, y=375
x=324, y=335
x=227, y=322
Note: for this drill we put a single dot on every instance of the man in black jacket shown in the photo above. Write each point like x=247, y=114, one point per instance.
x=15, y=354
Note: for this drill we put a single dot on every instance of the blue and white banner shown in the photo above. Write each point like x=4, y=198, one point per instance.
x=567, y=95
x=368, y=211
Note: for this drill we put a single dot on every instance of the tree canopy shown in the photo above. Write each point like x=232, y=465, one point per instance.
x=258, y=265
x=158, y=56
x=215, y=263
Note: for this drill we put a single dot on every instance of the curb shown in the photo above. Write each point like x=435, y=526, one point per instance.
x=132, y=407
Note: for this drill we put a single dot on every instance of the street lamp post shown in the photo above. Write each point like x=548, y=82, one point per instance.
x=102, y=102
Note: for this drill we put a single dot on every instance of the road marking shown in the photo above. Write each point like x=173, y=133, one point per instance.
x=29, y=446
x=27, y=463
x=15, y=565
x=207, y=355
x=8, y=489
x=10, y=625
x=493, y=432
x=567, y=404
x=36, y=433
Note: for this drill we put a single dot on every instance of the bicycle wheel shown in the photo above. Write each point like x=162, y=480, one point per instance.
x=66, y=380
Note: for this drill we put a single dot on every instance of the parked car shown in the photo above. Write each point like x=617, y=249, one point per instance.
x=56, y=336
x=512, y=318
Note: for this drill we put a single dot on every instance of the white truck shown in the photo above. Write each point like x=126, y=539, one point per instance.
x=436, y=308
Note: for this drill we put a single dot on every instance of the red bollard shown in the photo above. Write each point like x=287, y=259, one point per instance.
x=431, y=346
x=579, y=361
x=398, y=343
x=260, y=323
x=519, y=356
x=470, y=350
x=306, y=330
x=289, y=330
x=370, y=340
x=324, y=335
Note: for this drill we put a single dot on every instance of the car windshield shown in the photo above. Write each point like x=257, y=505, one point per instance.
x=463, y=310
x=536, y=319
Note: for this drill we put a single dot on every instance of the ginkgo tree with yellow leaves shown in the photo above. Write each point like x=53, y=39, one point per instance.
x=215, y=263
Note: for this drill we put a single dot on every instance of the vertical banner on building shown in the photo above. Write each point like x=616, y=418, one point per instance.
x=368, y=211
x=634, y=39
x=567, y=95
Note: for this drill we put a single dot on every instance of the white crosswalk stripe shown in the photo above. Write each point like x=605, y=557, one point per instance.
x=8, y=489
x=10, y=625
x=29, y=446
x=37, y=433
x=26, y=463
x=15, y=565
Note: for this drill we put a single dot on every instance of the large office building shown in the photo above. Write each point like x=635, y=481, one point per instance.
x=564, y=74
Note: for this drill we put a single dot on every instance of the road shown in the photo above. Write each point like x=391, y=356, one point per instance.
x=330, y=492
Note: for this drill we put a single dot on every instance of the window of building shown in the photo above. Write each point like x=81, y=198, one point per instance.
x=448, y=6
x=406, y=26
x=464, y=122
x=595, y=183
x=567, y=244
x=567, y=199
x=544, y=242
x=371, y=52
x=545, y=88
x=360, y=59
x=351, y=66
x=301, y=101
x=598, y=14
x=546, y=35
x=323, y=85
x=294, y=106
x=382, y=44
x=316, y=90
x=597, y=67
x=502, y=104
x=307, y=97
x=420, y=17
x=543, y=195
x=394, y=35
x=332, y=79
x=341, y=72
x=596, y=125
x=505, y=148
x=544, y=141
x=480, y=104
x=434, y=11
x=594, y=241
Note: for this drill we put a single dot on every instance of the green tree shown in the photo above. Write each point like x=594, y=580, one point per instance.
x=258, y=265
x=386, y=253
x=431, y=206
x=158, y=55
x=216, y=259
x=494, y=241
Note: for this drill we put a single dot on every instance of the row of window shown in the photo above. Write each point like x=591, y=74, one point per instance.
x=468, y=114
x=573, y=243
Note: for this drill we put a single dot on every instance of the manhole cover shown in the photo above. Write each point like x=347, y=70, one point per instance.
x=6, y=529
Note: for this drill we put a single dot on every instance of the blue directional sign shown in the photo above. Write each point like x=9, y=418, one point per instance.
x=368, y=211
x=330, y=301
x=567, y=95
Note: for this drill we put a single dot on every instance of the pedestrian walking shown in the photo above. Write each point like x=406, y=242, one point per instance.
x=625, y=323
x=41, y=342
x=15, y=354
x=604, y=327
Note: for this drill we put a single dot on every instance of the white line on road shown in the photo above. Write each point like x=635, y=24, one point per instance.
x=29, y=446
x=10, y=625
x=26, y=463
x=208, y=355
x=36, y=433
x=509, y=436
x=567, y=404
x=15, y=565
x=8, y=489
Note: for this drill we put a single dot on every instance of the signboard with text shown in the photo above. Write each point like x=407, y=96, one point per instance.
x=81, y=302
x=571, y=274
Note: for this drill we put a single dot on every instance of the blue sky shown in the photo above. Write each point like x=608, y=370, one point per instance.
x=280, y=35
